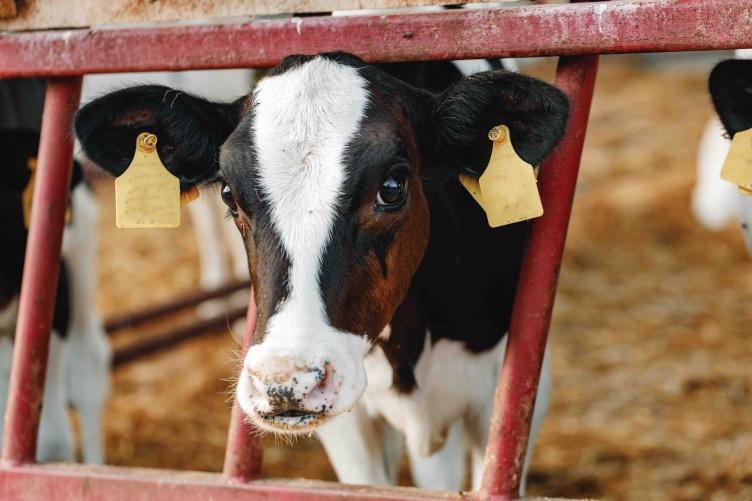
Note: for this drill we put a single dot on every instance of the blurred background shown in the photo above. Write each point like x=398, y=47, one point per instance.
x=652, y=394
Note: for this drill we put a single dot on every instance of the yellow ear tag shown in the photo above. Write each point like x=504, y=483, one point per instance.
x=28, y=194
x=147, y=195
x=737, y=168
x=507, y=189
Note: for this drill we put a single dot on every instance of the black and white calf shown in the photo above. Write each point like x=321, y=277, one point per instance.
x=383, y=296
x=78, y=366
x=716, y=202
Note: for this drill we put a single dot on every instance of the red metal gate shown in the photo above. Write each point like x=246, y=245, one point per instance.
x=578, y=31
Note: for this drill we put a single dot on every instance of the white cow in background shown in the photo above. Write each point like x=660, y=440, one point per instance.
x=716, y=202
x=220, y=248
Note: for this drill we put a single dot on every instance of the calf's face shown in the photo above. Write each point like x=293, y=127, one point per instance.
x=323, y=167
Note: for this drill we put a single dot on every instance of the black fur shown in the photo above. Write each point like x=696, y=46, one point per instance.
x=189, y=129
x=465, y=285
x=21, y=145
x=731, y=89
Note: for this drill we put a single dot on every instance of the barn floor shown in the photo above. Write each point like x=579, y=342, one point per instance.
x=653, y=390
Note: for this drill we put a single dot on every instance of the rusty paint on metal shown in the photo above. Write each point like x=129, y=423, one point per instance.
x=528, y=331
x=42, y=265
x=75, y=482
x=557, y=29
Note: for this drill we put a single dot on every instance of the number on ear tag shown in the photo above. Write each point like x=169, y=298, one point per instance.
x=507, y=189
x=737, y=168
x=28, y=195
x=147, y=195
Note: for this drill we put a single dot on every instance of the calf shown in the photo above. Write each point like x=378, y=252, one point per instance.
x=383, y=296
x=714, y=201
x=78, y=366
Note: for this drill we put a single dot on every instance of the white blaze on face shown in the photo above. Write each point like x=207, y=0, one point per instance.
x=303, y=121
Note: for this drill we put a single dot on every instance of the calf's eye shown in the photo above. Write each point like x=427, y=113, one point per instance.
x=229, y=199
x=392, y=192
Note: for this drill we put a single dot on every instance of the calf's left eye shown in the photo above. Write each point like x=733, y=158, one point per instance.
x=392, y=192
x=229, y=200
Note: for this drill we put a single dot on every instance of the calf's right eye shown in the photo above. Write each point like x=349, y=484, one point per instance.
x=229, y=199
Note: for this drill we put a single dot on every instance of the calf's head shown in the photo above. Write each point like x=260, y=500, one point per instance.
x=323, y=168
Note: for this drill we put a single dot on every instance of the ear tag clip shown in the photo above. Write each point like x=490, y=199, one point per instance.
x=737, y=168
x=28, y=195
x=507, y=189
x=147, y=195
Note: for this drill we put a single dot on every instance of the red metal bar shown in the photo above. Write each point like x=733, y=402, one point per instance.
x=132, y=319
x=41, y=268
x=244, y=449
x=563, y=29
x=164, y=340
x=75, y=483
x=518, y=381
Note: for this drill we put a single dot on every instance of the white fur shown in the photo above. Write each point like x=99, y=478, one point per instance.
x=88, y=348
x=714, y=201
x=445, y=469
x=304, y=119
x=6, y=360
x=444, y=418
x=56, y=441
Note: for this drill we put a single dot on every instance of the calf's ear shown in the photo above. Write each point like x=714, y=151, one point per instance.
x=461, y=117
x=730, y=86
x=189, y=129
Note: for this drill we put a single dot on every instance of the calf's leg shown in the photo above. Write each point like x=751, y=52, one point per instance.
x=355, y=448
x=55, y=441
x=444, y=470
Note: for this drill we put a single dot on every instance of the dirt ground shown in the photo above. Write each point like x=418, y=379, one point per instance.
x=652, y=388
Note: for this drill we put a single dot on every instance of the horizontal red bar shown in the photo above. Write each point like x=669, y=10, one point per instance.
x=75, y=482
x=563, y=29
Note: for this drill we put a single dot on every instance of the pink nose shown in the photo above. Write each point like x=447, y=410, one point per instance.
x=285, y=393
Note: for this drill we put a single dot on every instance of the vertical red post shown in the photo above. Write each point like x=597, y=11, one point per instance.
x=518, y=381
x=244, y=449
x=41, y=268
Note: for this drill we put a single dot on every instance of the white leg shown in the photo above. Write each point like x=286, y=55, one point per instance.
x=55, y=441
x=354, y=447
x=477, y=434
x=394, y=447
x=89, y=384
x=445, y=469
x=88, y=349
x=6, y=358
x=478, y=428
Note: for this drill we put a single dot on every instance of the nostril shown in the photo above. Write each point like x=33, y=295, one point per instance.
x=257, y=386
x=323, y=379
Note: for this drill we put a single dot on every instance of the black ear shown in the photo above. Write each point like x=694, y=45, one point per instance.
x=731, y=89
x=189, y=130
x=535, y=112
